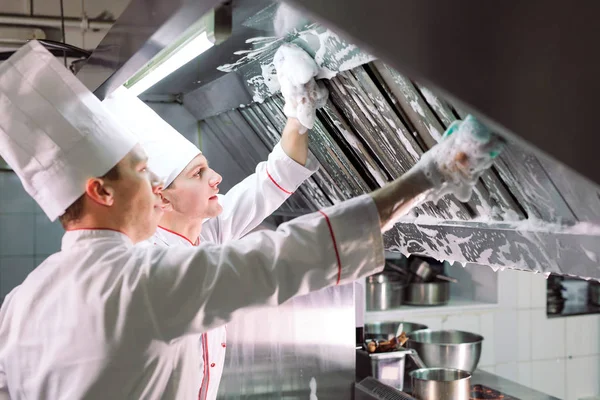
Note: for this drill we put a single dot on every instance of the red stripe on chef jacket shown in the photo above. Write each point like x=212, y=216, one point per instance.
x=181, y=236
x=277, y=184
x=203, y=394
x=337, y=254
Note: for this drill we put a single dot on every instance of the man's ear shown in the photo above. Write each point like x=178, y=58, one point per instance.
x=100, y=191
x=165, y=203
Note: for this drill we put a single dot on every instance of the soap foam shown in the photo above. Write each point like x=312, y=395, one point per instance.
x=457, y=162
x=296, y=71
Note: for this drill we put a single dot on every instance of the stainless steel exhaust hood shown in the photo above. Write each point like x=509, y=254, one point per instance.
x=529, y=212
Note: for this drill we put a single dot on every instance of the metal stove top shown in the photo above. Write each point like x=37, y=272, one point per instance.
x=483, y=392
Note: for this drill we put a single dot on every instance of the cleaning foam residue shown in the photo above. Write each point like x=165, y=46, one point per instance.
x=296, y=71
x=456, y=163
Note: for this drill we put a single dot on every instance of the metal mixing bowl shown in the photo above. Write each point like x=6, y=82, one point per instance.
x=447, y=349
x=387, y=330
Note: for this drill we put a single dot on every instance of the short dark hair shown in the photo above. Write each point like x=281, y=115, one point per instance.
x=73, y=213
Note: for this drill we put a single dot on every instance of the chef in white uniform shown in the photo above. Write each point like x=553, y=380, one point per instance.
x=105, y=319
x=193, y=213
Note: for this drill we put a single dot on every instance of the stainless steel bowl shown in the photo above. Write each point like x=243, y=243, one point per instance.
x=427, y=294
x=447, y=349
x=387, y=330
x=440, y=384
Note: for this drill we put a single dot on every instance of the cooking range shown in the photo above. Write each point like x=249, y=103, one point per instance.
x=484, y=392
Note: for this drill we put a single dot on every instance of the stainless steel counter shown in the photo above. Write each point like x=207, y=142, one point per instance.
x=508, y=387
x=505, y=386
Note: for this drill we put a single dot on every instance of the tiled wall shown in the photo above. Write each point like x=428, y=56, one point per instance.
x=27, y=237
x=559, y=356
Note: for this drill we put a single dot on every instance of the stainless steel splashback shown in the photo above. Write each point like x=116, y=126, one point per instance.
x=304, y=346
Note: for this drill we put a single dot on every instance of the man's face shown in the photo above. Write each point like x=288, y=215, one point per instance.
x=193, y=193
x=136, y=195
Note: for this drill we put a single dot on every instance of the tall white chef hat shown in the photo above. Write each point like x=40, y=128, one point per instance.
x=168, y=151
x=54, y=133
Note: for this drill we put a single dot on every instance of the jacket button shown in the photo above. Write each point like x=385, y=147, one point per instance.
x=223, y=344
x=213, y=365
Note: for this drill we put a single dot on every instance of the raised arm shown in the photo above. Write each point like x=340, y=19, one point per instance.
x=249, y=202
x=192, y=290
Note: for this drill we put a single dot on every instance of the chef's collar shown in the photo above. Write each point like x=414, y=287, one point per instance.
x=79, y=236
x=168, y=236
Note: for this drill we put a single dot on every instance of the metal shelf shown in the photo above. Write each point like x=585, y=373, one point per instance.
x=456, y=305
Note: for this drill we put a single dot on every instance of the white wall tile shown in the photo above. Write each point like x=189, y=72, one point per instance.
x=491, y=369
x=524, y=289
x=508, y=371
x=547, y=336
x=507, y=288
x=13, y=198
x=538, y=291
x=583, y=335
x=488, y=352
x=524, y=373
x=13, y=271
x=475, y=281
x=16, y=234
x=462, y=322
x=434, y=323
x=506, y=327
x=38, y=259
x=583, y=375
x=523, y=335
x=549, y=377
x=48, y=235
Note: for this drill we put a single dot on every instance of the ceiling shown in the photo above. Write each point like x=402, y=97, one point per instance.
x=106, y=10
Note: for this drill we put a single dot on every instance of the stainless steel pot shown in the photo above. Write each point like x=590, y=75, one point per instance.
x=425, y=273
x=427, y=294
x=447, y=349
x=440, y=384
x=387, y=330
x=384, y=291
x=385, y=367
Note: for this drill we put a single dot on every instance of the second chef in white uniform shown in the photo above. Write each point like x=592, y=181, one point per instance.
x=193, y=215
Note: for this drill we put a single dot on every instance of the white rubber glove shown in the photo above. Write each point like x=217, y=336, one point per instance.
x=296, y=72
x=454, y=165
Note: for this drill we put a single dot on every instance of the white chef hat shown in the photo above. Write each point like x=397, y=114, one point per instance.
x=54, y=133
x=168, y=151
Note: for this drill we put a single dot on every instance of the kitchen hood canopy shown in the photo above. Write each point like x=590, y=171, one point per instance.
x=528, y=212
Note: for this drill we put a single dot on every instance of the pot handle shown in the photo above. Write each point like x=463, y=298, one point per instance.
x=415, y=356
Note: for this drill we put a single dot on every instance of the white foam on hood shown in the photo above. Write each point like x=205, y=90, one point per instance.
x=296, y=71
x=448, y=175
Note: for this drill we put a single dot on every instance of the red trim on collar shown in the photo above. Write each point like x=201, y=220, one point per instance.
x=277, y=184
x=95, y=229
x=181, y=236
x=337, y=254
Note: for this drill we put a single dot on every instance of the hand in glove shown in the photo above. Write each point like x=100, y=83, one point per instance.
x=296, y=71
x=467, y=149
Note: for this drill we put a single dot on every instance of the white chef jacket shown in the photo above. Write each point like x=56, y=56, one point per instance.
x=104, y=319
x=245, y=206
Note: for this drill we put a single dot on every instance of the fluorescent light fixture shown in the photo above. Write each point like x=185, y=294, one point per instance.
x=172, y=63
